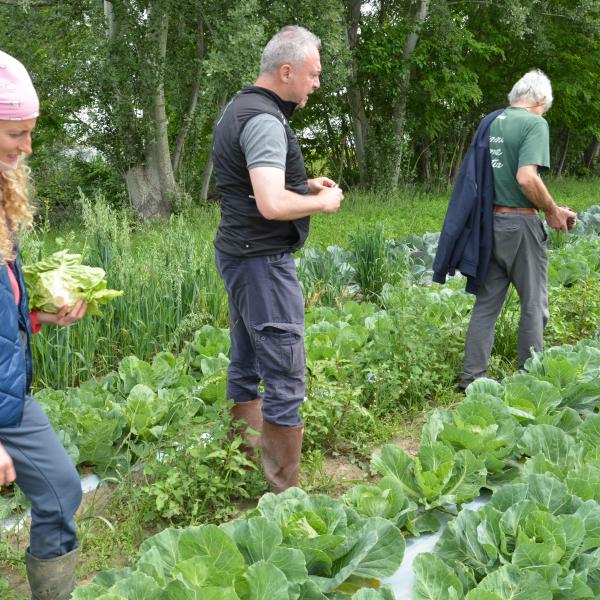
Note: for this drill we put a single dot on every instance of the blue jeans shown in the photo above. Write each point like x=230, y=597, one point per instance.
x=48, y=478
x=266, y=320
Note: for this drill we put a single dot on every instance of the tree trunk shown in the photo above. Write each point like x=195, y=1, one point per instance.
x=208, y=171
x=563, y=155
x=591, y=153
x=151, y=186
x=355, y=99
x=399, y=116
x=208, y=167
x=457, y=158
x=193, y=101
x=426, y=165
x=112, y=29
x=156, y=196
x=144, y=189
x=442, y=157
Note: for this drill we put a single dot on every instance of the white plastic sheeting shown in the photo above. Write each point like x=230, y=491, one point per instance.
x=88, y=484
x=403, y=579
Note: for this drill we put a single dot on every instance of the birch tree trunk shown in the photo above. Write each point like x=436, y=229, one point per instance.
x=399, y=116
x=195, y=93
x=151, y=187
x=206, y=177
x=357, y=108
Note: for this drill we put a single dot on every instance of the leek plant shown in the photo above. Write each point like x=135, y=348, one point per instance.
x=170, y=286
x=372, y=261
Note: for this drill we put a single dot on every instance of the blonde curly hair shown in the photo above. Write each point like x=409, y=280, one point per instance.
x=16, y=214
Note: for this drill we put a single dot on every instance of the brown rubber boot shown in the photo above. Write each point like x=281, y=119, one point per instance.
x=280, y=453
x=251, y=414
x=51, y=578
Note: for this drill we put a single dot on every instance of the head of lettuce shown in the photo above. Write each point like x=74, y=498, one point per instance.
x=61, y=280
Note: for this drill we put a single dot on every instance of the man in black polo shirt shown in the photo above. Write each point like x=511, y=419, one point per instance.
x=266, y=199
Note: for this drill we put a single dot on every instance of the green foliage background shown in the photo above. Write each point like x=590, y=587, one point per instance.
x=418, y=105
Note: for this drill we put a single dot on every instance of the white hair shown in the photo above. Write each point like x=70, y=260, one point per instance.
x=290, y=45
x=533, y=87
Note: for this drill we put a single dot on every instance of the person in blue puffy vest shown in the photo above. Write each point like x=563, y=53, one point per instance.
x=30, y=453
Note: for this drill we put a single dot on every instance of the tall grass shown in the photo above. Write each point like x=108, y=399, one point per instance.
x=415, y=211
x=407, y=212
x=171, y=288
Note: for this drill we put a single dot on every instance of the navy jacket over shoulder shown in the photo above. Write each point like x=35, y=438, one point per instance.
x=467, y=235
x=15, y=360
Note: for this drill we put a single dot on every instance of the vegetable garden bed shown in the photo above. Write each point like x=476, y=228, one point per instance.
x=533, y=440
x=530, y=440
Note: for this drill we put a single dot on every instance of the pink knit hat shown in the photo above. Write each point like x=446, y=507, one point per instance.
x=18, y=99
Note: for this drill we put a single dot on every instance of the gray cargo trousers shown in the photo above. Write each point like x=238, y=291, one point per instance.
x=266, y=325
x=518, y=257
x=48, y=478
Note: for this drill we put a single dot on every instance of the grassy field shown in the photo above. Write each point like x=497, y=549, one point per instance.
x=415, y=212
x=412, y=211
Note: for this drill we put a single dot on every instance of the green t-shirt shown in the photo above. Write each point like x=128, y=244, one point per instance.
x=517, y=138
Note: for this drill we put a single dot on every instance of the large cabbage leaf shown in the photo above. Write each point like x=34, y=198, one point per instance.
x=339, y=546
x=437, y=476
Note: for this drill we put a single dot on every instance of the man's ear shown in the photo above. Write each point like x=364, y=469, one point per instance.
x=285, y=72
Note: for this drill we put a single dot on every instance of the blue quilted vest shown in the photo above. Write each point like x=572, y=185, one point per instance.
x=15, y=362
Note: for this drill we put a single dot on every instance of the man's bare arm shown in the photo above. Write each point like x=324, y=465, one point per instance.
x=276, y=203
x=537, y=193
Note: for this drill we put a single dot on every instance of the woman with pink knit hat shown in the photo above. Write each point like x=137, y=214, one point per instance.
x=30, y=453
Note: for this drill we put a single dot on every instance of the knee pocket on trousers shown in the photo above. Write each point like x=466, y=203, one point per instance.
x=280, y=347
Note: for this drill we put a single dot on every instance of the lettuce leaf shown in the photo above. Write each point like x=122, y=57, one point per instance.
x=60, y=280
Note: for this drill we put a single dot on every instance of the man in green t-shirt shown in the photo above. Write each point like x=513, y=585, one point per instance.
x=519, y=149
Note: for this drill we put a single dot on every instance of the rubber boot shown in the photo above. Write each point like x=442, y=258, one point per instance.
x=51, y=578
x=280, y=452
x=251, y=414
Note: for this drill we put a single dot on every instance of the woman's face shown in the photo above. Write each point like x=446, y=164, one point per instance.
x=15, y=139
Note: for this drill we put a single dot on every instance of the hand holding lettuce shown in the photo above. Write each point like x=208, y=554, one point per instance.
x=61, y=280
x=66, y=316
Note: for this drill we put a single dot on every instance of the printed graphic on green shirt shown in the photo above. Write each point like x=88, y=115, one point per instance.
x=517, y=138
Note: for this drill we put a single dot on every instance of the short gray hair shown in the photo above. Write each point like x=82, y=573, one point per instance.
x=533, y=86
x=290, y=45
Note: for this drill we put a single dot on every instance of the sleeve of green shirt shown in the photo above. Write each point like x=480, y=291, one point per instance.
x=535, y=149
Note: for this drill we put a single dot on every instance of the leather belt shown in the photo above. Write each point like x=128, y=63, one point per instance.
x=515, y=209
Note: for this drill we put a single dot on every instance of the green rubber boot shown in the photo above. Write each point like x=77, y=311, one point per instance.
x=51, y=578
